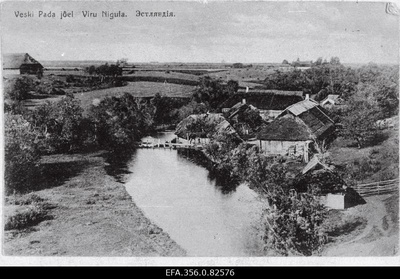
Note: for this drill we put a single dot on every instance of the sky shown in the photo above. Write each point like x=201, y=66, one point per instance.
x=211, y=31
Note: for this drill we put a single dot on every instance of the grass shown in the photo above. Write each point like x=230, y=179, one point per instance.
x=136, y=89
x=337, y=225
x=164, y=74
x=94, y=215
x=28, y=217
x=26, y=211
x=371, y=164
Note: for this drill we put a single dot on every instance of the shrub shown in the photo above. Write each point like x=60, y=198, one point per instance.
x=30, y=199
x=60, y=125
x=121, y=121
x=30, y=216
x=19, y=89
x=21, y=153
x=294, y=223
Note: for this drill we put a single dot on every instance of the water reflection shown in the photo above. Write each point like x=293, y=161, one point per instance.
x=203, y=216
x=118, y=163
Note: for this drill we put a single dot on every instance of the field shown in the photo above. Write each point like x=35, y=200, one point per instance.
x=147, y=79
x=136, y=89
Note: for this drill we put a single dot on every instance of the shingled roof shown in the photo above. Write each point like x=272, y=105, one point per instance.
x=304, y=120
x=16, y=60
x=262, y=100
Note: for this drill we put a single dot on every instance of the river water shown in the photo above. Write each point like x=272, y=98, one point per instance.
x=179, y=196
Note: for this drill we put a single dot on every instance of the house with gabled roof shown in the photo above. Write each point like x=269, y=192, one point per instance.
x=20, y=63
x=298, y=131
x=270, y=103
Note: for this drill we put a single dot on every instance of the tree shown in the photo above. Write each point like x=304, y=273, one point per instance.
x=334, y=61
x=359, y=122
x=19, y=89
x=60, y=125
x=232, y=87
x=285, y=62
x=91, y=70
x=21, y=153
x=119, y=122
x=237, y=65
x=210, y=91
x=191, y=108
x=293, y=223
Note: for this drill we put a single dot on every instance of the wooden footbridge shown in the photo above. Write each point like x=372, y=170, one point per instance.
x=150, y=142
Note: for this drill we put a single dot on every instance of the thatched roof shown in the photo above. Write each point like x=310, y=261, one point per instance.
x=263, y=100
x=286, y=128
x=201, y=125
x=16, y=60
x=271, y=91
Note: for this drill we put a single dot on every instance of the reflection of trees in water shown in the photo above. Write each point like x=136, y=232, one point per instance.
x=118, y=163
x=223, y=179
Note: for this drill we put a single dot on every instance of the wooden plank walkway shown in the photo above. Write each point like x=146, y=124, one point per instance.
x=158, y=144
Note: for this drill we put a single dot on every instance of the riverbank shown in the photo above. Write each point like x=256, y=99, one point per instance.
x=88, y=213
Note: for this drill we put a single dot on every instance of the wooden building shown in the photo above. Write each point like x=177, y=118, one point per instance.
x=20, y=63
x=270, y=103
x=198, y=128
x=298, y=131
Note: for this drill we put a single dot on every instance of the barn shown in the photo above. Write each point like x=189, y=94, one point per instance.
x=20, y=63
x=270, y=103
x=298, y=131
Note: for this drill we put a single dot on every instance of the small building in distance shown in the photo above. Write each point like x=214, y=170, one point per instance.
x=20, y=63
x=298, y=131
x=331, y=100
x=270, y=103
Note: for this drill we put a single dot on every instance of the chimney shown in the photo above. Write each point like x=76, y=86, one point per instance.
x=243, y=101
x=307, y=96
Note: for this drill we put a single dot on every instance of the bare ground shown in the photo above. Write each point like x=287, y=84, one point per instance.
x=371, y=229
x=92, y=215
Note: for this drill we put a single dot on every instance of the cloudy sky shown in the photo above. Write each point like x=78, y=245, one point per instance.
x=248, y=32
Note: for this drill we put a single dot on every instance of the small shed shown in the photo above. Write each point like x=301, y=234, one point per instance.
x=328, y=186
x=21, y=63
x=331, y=100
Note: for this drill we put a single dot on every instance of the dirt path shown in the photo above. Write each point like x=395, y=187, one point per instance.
x=380, y=237
x=93, y=216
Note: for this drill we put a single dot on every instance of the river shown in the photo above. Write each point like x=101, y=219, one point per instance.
x=179, y=196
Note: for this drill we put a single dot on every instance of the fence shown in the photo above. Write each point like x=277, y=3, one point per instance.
x=378, y=188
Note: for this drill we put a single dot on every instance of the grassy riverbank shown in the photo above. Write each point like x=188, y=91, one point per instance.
x=83, y=212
